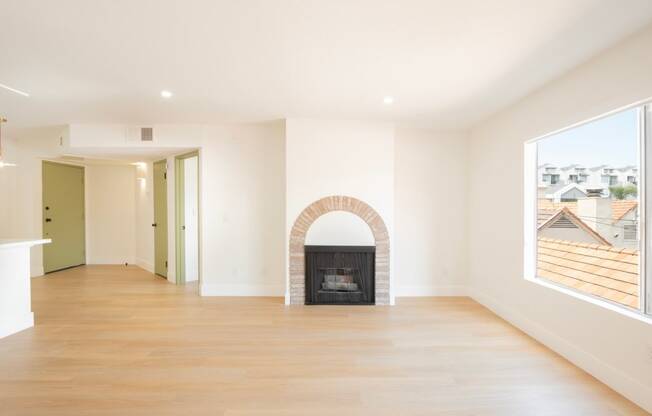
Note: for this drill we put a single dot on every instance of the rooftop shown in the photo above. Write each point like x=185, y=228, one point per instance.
x=619, y=208
x=603, y=271
x=547, y=207
x=546, y=219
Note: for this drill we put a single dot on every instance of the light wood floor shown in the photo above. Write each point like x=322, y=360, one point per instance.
x=112, y=340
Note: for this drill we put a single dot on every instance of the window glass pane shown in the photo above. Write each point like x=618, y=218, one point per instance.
x=588, y=225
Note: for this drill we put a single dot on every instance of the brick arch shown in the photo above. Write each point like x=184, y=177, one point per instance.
x=316, y=210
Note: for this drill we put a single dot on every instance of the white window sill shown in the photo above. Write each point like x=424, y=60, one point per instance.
x=630, y=313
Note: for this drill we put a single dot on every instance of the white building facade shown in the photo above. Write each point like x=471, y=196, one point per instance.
x=602, y=176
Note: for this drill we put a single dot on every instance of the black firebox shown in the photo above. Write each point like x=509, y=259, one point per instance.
x=340, y=275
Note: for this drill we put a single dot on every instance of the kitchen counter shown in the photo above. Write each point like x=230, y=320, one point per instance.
x=15, y=286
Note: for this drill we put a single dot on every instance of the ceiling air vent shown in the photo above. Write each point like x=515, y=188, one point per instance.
x=146, y=134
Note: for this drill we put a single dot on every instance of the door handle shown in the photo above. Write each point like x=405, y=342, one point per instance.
x=154, y=225
x=183, y=227
x=48, y=220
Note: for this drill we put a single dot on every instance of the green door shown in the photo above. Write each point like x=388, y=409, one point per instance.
x=63, y=216
x=160, y=219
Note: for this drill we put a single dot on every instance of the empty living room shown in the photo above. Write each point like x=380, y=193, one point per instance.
x=325, y=207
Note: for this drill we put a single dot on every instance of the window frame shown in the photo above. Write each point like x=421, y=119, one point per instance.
x=530, y=172
x=644, y=137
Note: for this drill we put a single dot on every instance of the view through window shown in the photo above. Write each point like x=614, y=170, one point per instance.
x=588, y=217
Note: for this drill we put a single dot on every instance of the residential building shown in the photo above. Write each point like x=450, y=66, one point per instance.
x=575, y=174
x=625, y=224
x=563, y=224
x=602, y=176
x=549, y=175
x=564, y=192
x=616, y=222
x=628, y=175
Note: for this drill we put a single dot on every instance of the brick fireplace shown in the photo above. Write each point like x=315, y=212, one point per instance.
x=298, y=237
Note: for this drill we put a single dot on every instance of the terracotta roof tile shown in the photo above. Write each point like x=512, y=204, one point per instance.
x=619, y=208
x=604, y=271
x=548, y=204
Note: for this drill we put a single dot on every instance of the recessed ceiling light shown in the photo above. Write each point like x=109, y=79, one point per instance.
x=8, y=88
x=388, y=100
x=166, y=94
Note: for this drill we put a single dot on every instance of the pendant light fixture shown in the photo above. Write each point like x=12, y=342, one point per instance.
x=2, y=161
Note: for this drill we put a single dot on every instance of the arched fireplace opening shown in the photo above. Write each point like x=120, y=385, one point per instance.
x=337, y=271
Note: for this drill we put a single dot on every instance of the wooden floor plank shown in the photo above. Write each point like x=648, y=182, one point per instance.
x=112, y=340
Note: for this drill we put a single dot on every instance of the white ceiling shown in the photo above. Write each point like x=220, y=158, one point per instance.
x=448, y=64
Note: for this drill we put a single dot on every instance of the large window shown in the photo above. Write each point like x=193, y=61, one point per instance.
x=586, y=235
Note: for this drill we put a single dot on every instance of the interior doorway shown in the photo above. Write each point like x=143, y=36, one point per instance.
x=187, y=217
x=160, y=218
x=63, y=216
x=118, y=207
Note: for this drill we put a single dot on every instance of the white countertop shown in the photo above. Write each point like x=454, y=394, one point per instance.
x=17, y=242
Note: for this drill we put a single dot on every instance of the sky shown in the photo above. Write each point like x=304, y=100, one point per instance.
x=608, y=141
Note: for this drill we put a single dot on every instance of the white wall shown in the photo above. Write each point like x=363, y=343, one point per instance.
x=415, y=173
x=349, y=158
x=431, y=213
x=340, y=228
x=191, y=218
x=110, y=214
x=8, y=188
x=242, y=199
x=242, y=182
x=612, y=346
x=145, y=217
x=21, y=191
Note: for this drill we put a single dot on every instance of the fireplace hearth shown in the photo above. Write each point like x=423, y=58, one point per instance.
x=340, y=275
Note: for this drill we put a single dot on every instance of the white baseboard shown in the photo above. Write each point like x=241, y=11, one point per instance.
x=11, y=325
x=145, y=265
x=36, y=271
x=415, y=291
x=217, y=289
x=614, y=378
x=103, y=261
x=419, y=291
